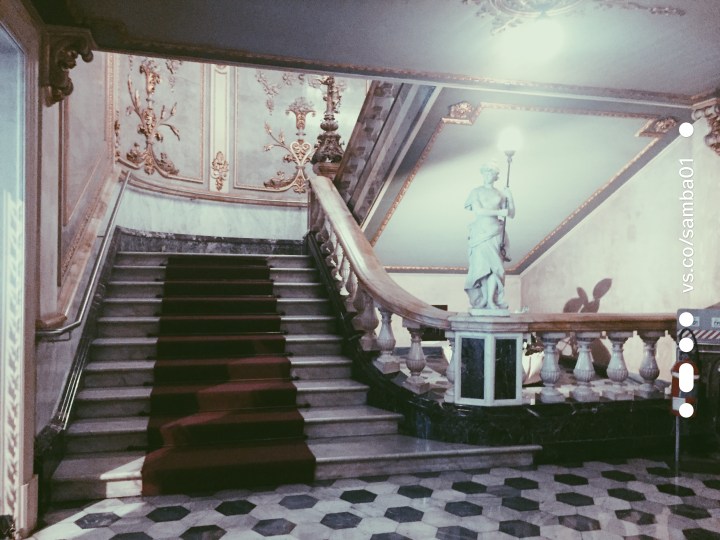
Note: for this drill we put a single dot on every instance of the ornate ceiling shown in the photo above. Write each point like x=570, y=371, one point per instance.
x=625, y=73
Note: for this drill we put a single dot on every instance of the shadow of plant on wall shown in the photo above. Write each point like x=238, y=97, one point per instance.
x=582, y=304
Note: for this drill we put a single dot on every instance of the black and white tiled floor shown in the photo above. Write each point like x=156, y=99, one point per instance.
x=633, y=499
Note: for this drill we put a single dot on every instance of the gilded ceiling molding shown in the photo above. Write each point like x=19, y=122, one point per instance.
x=408, y=181
x=710, y=110
x=657, y=127
x=204, y=52
x=219, y=170
x=165, y=189
x=61, y=47
x=579, y=211
x=463, y=114
x=510, y=13
x=150, y=123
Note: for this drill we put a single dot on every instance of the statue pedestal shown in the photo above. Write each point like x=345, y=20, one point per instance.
x=483, y=312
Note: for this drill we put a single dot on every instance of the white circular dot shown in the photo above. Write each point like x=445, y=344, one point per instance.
x=686, y=410
x=686, y=319
x=686, y=129
x=686, y=344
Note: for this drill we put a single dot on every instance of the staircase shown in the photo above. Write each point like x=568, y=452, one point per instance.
x=115, y=433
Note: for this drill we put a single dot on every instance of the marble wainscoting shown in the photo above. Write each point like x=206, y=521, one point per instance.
x=133, y=240
x=164, y=213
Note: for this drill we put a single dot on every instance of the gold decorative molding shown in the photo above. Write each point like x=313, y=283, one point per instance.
x=462, y=113
x=300, y=108
x=150, y=123
x=510, y=13
x=299, y=152
x=657, y=127
x=220, y=168
x=710, y=110
x=188, y=193
x=61, y=47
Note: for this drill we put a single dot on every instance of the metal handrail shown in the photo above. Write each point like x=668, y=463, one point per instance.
x=82, y=310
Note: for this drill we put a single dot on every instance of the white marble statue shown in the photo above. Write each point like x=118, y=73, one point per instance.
x=485, y=282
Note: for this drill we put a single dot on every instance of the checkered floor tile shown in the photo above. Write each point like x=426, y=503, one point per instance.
x=633, y=499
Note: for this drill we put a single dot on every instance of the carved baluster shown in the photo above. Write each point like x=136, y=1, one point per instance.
x=415, y=360
x=343, y=273
x=352, y=288
x=584, y=371
x=323, y=236
x=550, y=371
x=366, y=320
x=452, y=366
x=330, y=248
x=649, y=370
x=387, y=362
x=617, y=370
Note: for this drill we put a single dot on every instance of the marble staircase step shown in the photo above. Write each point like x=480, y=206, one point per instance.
x=118, y=474
x=120, y=434
x=157, y=273
x=135, y=400
x=154, y=289
x=145, y=348
x=150, y=258
x=349, y=457
x=150, y=326
x=150, y=307
x=140, y=372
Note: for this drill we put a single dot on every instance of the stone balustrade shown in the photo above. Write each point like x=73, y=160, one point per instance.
x=366, y=291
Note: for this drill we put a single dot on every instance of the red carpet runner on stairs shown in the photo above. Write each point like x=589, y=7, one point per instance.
x=223, y=407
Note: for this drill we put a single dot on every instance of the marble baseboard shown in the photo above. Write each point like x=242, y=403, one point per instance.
x=133, y=240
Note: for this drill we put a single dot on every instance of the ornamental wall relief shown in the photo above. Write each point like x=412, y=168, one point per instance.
x=219, y=132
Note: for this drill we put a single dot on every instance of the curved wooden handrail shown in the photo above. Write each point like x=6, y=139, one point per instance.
x=368, y=269
x=375, y=280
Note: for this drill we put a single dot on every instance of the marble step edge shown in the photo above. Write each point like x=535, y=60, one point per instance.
x=314, y=416
x=138, y=283
x=219, y=255
x=152, y=320
x=395, y=446
x=146, y=341
x=113, y=466
x=158, y=301
x=143, y=392
x=163, y=267
x=104, y=366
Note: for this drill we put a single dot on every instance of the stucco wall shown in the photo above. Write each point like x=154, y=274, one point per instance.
x=634, y=238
